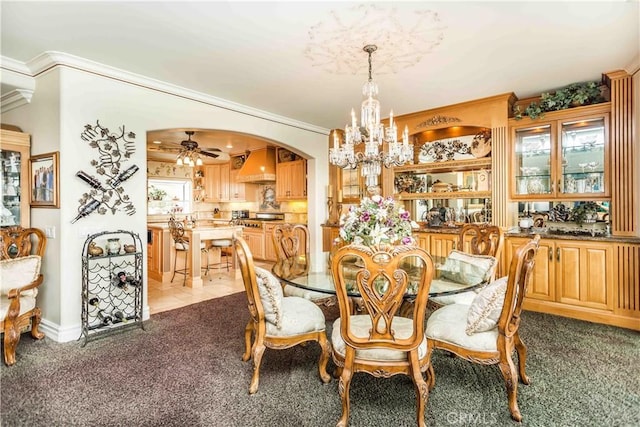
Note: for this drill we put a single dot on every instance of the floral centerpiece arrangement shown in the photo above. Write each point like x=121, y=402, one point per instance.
x=377, y=221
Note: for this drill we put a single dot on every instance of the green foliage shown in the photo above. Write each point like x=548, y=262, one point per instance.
x=574, y=95
x=584, y=211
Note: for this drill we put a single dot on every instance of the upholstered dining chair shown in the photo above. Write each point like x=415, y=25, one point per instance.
x=379, y=342
x=276, y=321
x=181, y=245
x=483, y=243
x=21, y=252
x=486, y=332
x=291, y=244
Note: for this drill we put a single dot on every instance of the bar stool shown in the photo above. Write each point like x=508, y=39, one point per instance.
x=225, y=245
x=181, y=244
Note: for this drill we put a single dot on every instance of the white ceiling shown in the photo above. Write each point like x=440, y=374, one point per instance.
x=290, y=58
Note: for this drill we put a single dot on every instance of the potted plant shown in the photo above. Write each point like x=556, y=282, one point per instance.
x=573, y=95
x=156, y=193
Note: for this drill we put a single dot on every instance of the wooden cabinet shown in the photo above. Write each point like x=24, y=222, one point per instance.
x=291, y=180
x=440, y=245
x=571, y=274
x=564, y=156
x=237, y=190
x=329, y=235
x=14, y=178
x=155, y=254
x=269, y=248
x=542, y=284
x=255, y=241
x=216, y=179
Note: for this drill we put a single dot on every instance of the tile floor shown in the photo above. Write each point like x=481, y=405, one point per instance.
x=163, y=296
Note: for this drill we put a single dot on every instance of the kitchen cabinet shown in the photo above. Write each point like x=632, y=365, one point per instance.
x=269, y=247
x=564, y=156
x=14, y=178
x=216, y=178
x=154, y=254
x=291, y=180
x=256, y=242
x=571, y=273
x=240, y=191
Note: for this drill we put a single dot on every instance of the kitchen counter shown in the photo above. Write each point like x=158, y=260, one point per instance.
x=197, y=235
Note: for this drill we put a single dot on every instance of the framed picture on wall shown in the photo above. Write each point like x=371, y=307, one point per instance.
x=44, y=180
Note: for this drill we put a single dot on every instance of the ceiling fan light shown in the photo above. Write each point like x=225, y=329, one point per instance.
x=179, y=161
x=199, y=161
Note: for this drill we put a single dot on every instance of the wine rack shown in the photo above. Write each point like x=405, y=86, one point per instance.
x=111, y=283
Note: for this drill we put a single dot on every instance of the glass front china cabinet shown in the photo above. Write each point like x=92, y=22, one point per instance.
x=14, y=179
x=561, y=159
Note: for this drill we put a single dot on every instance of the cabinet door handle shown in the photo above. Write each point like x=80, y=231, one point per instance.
x=551, y=255
x=560, y=189
x=558, y=254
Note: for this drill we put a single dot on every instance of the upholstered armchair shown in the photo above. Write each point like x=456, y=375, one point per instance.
x=276, y=321
x=486, y=332
x=21, y=251
x=380, y=342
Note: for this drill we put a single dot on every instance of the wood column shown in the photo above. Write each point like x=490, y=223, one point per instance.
x=624, y=190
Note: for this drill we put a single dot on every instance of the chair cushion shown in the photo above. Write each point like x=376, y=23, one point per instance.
x=469, y=269
x=448, y=324
x=486, y=307
x=271, y=296
x=184, y=246
x=19, y=272
x=361, y=325
x=299, y=316
x=292, y=291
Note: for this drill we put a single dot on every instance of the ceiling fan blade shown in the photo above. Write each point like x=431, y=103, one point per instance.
x=211, y=149
x=206, y=153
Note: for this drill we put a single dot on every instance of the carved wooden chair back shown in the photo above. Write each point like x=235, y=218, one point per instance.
x=291, y=242
x=18, y=242
x=481, y=240
x=380, y=342
x=19, y=288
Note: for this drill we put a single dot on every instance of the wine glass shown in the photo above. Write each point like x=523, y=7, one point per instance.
x=583, y=165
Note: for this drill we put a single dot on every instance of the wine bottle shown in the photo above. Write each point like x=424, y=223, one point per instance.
x=87, y=209
x=125, y=175
x=93, y=300
x=118, y=317
x=105, y=318
x=93, y=182
x=121, y=280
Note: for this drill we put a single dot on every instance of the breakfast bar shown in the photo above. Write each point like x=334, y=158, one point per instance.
x=202, y=234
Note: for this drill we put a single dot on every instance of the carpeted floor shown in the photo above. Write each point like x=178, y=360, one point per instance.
x=186, y=370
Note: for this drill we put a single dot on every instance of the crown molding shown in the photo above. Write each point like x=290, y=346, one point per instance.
x=14, y=99
x=16, y=66
x=50, y=59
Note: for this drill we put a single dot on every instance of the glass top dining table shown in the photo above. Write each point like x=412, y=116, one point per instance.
x=323, y=282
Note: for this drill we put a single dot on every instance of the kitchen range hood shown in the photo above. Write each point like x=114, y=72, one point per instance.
x=260, y=167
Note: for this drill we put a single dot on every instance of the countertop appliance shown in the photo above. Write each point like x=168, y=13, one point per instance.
x=260, y=218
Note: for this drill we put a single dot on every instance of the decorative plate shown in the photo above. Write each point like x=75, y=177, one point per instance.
x=481, y=144
x=238, y=162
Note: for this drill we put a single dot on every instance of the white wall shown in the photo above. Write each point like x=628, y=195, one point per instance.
x=67, y=99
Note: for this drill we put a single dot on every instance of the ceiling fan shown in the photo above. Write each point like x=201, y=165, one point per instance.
x=188, y=151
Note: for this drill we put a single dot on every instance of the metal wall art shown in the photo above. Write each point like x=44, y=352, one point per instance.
x=445, y=149
x=106, y=193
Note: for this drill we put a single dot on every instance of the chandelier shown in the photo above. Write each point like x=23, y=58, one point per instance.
x=373, y=135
